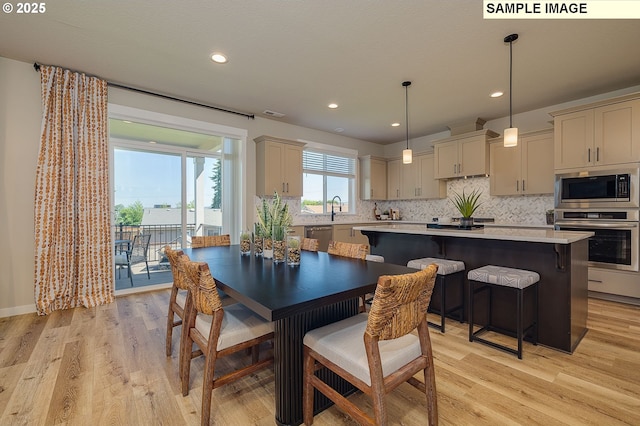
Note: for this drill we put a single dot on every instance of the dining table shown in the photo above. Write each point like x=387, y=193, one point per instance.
x=322, y=289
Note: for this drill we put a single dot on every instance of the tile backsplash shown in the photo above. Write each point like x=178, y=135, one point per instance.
x=526, y=210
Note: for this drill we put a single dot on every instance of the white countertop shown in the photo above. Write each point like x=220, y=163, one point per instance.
x=422, y=222
x=533, y=235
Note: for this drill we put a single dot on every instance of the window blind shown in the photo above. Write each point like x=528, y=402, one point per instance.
x=329, y=163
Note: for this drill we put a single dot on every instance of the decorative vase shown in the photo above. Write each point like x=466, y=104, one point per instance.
x=245, y=243
x=267, y=248
x=257, y=241
x=466, y=222
x=279, y=243
x=293, y=251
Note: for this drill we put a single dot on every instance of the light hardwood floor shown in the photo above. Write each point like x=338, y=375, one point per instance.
x=107, y=366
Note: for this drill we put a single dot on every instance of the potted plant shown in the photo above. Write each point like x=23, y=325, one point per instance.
x=273, y=218
x=245, y=242
x=467, y=205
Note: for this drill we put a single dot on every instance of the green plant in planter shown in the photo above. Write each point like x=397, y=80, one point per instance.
x=467, y=204
x=274, y=215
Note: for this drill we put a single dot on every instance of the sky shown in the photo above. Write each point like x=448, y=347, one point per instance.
x=154, y=178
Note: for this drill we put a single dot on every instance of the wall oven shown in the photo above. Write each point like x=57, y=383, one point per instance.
x=600, y=188
x=615, y=244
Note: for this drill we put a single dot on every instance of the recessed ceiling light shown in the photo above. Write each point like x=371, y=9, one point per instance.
x=126, y=121
x=219, y=58
x=152, y=141
x=333, y=106
x=395, y=124
x=497, y=94
x=338, y=130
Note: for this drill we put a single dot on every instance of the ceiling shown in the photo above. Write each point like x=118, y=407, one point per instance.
x=296, y=57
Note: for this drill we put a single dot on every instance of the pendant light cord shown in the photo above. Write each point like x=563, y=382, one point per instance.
x=406, y=85
x=510, y=84
x=406, y=111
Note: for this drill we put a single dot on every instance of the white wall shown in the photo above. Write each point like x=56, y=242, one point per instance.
x=19, y=135
x=20, y=117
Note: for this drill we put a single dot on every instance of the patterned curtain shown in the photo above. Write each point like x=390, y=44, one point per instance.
x=73, y=247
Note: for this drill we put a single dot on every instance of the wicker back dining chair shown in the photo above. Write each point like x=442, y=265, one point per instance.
x=178, y=295
x=354, y=250
x=389, y=355
x=211, y=241
x=137, y=253
x=309, y=244
x=217, y=331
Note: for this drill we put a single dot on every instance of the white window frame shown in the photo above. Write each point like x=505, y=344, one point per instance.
x=353, y=183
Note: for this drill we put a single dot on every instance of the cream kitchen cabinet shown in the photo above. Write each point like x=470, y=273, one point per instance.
x=601, y=134
x=417, y=179
x=373, y=178
x=523, y=169
x=463, y=155
x=278, y=167
x=347, y=234
x=393, y=179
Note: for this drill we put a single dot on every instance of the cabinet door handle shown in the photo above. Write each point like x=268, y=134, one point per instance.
x=397, y=192
x=454, y=169
x=459, y=168
x=282, y=186
x=588, y=155
x=287, y=187
x=517, y=186
x=597, y=154
x=371, y=192
x=522, y=185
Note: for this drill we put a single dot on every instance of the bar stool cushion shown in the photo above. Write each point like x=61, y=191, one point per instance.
x=341, y=343
x=445, y=266
x=508, y=277
x=239, y=324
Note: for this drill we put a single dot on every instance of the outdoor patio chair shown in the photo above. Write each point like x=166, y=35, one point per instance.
x=137, y=253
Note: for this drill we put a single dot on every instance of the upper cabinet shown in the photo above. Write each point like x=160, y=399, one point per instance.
x=463, y=155
x=278, y=167
x=393, y=179
x=418, y=181
x=415, y=180
x=523, y=169
x=373, y=178
x=601, y=134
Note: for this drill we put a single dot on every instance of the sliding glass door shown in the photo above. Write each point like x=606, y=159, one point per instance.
x=169, y=184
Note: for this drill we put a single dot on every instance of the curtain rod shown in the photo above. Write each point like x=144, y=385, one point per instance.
x=36, y=66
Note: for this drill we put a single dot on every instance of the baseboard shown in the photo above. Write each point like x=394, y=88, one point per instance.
x=615, y=298
x=17, y=310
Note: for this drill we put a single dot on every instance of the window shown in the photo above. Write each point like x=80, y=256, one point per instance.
x=327, y=175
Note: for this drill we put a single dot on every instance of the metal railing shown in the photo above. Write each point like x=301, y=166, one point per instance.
x=162, y=235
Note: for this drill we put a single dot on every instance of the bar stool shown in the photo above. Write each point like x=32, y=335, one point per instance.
x=448, y=271
x=518, y=280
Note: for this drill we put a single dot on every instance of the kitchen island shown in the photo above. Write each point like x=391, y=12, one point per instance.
x=560, y=257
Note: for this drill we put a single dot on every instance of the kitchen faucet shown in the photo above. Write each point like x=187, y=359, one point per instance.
x=333, y=214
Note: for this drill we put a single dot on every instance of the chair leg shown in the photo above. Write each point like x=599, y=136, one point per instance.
x=130, y=275
x=307, y=388
x=430, y=383
x=443, y=303
x=148, y=274
x=170, y=317
x=207, y=388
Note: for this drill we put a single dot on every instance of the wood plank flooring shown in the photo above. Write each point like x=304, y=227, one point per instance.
x=106, y=366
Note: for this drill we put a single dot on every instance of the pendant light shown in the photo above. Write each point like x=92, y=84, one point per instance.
x=511, y=134
x=407, y=154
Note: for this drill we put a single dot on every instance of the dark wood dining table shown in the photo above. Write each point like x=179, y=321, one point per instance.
x=321, y=290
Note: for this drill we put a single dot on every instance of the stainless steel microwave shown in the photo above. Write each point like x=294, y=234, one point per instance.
x=589, y=189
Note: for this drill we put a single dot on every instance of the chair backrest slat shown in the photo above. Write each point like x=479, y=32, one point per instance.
x=210, y=241
x=172, y=256
x=400, y=303
x=201, y=285
x=353, y=250
x=139, y=248
x=310, y=244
